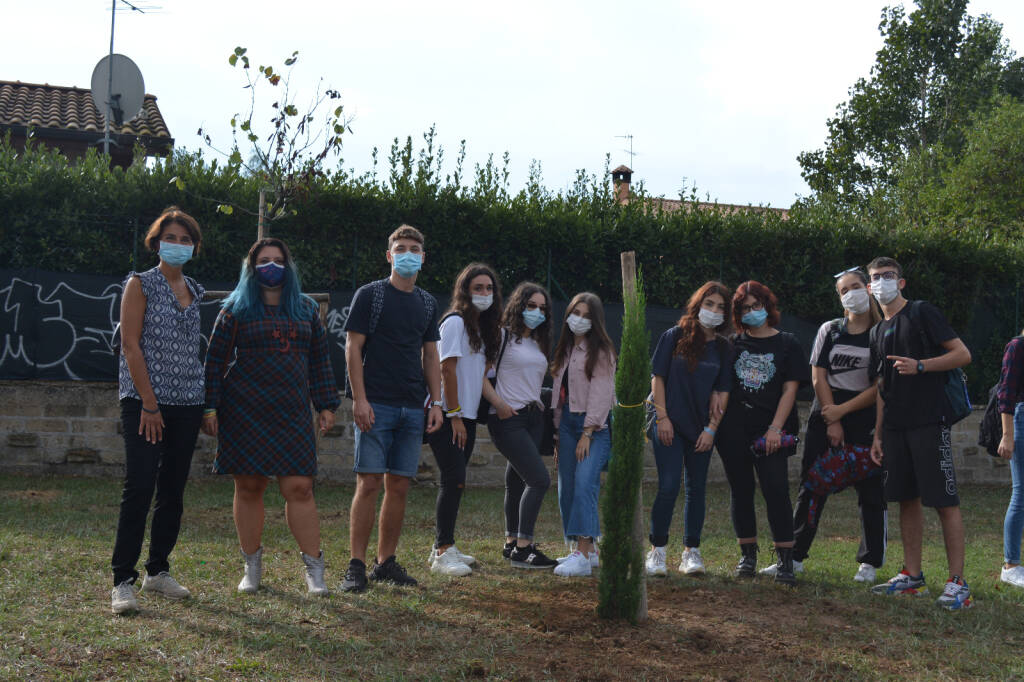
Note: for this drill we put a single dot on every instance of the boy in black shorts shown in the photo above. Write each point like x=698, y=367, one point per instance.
x=911, y=350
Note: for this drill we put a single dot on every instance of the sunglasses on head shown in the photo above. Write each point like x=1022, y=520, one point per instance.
x=855, y=268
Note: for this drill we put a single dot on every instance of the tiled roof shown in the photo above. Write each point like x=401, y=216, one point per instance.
x=60, y=107
x=670, y=205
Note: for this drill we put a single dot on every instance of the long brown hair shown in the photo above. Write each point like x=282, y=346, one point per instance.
x=512, y=318
x=691, y=341
x=598, y=340
x=481, y=327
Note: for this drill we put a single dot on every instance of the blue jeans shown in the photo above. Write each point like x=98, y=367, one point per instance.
x=672, y=460
x=392, y=444
x=1013, y=525
x=580, y=482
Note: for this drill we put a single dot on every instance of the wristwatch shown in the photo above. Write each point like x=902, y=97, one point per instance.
x=920, y=366
x=437, y=403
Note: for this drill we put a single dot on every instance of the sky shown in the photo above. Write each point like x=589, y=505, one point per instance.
x=718, y=95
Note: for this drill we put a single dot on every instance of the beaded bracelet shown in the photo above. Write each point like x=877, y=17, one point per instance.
x=453, y=412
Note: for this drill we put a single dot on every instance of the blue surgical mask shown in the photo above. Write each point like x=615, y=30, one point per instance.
x=533, y=318
x=755, y=318
x=406, y=264
x=175, y=254
x=270, y=274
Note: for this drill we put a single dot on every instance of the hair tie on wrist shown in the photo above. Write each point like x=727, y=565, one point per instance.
x=156, y=411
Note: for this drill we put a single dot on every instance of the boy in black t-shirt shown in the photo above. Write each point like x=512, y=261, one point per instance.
x=911, y=351
x=390, y=350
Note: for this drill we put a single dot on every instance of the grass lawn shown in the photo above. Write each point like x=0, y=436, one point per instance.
x=56, y=535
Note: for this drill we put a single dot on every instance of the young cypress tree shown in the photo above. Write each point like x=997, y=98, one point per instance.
x=622, y=592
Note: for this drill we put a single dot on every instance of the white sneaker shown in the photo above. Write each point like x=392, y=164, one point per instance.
x=575, y=566
x=572, y=550
x=865, y=574
x=656, y=561
x=122, y=599
x=164, y=585
x=253, y=571
x=692, y=563
x=448, y=563
x=1013, y=576
x=595, y=559
x=798, y=567
x=464, y=558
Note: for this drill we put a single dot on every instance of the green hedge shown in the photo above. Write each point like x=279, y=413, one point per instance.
x=79, y=218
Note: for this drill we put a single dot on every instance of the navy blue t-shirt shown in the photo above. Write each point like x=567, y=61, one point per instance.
x=688, y=394
x=392, y=355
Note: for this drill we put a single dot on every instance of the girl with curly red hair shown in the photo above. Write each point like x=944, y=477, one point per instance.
x=690, y=364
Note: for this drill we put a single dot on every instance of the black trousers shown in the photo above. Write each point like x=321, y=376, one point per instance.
x=451, y=463
x=740, y=427
x=870, y=494
x=163, y=467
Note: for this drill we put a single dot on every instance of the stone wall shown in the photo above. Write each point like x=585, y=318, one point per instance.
x=74, y=428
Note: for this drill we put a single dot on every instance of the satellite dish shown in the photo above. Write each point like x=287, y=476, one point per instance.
x=117, y=88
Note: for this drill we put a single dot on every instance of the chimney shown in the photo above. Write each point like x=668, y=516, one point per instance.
x=620, y=179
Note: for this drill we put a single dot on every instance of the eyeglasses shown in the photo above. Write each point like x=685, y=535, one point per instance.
x=530, y=305
x=855, y=268
x=888, y=274
x=747, y=308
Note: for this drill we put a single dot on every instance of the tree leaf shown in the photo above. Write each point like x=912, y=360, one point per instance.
x=226, y=209
x=233, y=59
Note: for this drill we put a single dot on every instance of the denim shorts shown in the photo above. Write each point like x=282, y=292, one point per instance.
x=393, y=444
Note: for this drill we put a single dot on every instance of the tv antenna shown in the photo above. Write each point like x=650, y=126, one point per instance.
x=122, y=90
x=629, y=151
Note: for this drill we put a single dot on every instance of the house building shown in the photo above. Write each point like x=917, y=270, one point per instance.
x=622, y=176
x=66, y=118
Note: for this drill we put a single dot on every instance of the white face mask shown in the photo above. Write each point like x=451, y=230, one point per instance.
x=885, y=290
x=709, y=318
x=579, y=325
x=856, y=301
x=482, y=303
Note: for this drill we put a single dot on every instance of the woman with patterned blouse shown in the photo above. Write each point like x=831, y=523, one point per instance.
x=160, y=385
x=259, y=408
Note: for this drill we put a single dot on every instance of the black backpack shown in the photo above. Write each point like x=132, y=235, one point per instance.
x=990, y=431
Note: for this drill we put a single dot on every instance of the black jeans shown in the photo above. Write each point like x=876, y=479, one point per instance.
x=162, y=466
x=526, y=475
x=857, y=429
x=740, y=427
x=451, y=463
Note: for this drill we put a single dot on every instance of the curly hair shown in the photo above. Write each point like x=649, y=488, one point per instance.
x=512, y=318
x=598, y=340
x=692, y=340
x=481, y=327
x=762, y=294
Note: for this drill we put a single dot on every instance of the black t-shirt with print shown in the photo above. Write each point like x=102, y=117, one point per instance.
x=911, y=400
x=762, y=365
x=392, y=355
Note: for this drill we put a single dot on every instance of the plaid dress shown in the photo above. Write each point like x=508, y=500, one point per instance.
x=264, y=422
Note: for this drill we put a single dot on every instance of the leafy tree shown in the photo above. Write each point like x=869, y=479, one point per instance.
x=982, y=192
x=289, y=157
x=938, y=65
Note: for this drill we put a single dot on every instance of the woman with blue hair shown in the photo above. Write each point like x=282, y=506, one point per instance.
x=259, y=407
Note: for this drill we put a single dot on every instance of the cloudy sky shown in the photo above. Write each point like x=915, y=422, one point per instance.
x=723, y=95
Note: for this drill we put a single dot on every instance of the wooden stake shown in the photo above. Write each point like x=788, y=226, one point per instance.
x=628, y=261
x=260, y=228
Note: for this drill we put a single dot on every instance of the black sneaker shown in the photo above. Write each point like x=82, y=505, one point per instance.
x=355, y=577
x=531, y=557
x=391, y=572
x=506, y=551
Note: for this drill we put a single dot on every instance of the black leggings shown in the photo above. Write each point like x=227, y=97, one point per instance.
x=451, y=463
x=741, y=426
x=162, y=466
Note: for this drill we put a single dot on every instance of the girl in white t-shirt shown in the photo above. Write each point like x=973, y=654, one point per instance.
x=516, y=422
x=470, y=338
